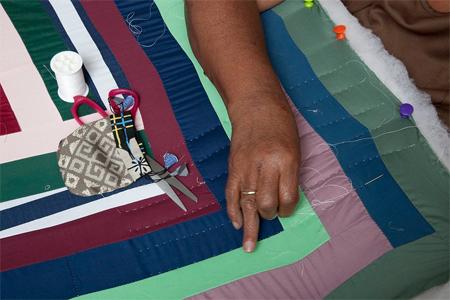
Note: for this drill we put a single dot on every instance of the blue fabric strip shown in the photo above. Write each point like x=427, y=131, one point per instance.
x=169, y=248
x=383, y=198
x=65, y=200
x=52, y=204
x=108, y=56
x=52, y=14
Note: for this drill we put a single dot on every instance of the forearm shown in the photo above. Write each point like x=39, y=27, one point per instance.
x=228, y=40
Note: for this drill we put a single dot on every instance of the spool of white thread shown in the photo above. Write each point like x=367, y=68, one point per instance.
x=69, y=75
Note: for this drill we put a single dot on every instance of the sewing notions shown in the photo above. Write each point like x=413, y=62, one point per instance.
x=69, y=75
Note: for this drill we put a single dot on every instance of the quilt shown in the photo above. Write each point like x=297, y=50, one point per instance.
x=373, y=215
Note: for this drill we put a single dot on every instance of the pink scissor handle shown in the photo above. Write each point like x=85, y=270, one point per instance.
x=116, y=92
x=78, y=100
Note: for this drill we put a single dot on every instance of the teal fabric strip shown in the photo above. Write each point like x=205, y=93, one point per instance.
x=403, y=149
x=401, y=273
x=417, y=266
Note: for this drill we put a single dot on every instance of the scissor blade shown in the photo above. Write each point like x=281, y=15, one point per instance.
x=179, y=186
x=169, y=191
x=171, y=180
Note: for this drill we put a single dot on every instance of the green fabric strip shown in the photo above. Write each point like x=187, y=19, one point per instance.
x=303, y=234
x=303, y=231
x=16, y=174
x=412, y=268
x=402, y=147
x=401, y=273
x=42, y=41
x=15, y=177
x=173, y=14
x=146, y=143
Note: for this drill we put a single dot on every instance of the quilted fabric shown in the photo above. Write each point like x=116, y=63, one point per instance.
x=372, y=221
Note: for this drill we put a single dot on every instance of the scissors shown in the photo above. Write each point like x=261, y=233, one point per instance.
x=165, y=180
x=160, y=175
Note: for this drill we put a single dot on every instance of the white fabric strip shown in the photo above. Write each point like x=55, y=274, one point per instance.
x=86, y=47
x=35, y=111
x=38, y=140
x=116, y=200
x=20, y=201
x=371, y=50
x=81, y=39
x=21, y=81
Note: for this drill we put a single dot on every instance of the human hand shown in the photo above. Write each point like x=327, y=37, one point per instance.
x=264, y=158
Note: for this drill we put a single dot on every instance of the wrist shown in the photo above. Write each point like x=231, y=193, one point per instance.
x=256, y=100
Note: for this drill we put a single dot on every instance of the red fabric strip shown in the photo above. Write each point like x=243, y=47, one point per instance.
x=8, y=121
x=164, y=135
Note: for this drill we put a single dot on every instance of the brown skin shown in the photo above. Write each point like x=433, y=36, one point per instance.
x=228, y=40
x=440, y=5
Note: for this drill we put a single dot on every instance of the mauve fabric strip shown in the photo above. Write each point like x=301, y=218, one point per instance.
x=383, y=198
x=344, y=216
x=316, y=275
x=9, y=123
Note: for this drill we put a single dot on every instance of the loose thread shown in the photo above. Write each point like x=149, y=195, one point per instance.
x=303, y=267
x=278, y=254
x=49, y=71
x=394, y=228
x=385, y=133
x=315, y=111
x=376, y=178
x=371, y=83
x=137, y=30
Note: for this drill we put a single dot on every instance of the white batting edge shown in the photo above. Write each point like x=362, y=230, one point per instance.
x=371, y=50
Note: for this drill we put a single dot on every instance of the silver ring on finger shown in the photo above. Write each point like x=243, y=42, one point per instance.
x=248, y=192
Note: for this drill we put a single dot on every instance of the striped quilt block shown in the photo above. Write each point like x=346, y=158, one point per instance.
x=374, y=186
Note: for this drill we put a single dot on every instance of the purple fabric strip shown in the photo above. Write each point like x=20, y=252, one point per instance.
x=355, y=239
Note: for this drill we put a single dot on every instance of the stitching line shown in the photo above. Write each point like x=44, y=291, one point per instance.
x=177, y=217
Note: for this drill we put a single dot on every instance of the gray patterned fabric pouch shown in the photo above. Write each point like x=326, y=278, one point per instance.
x=95, y=158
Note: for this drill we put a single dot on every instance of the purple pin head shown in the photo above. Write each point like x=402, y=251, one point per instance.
x=406, y=110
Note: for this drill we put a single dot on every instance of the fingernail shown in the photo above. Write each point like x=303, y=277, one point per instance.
x=274, y=217
x=248, y=246
x=236, y=225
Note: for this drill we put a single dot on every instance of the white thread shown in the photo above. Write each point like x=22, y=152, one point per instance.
x=376, y=178
x=303, y=267
x=370, y=80
x=67, y=66
x=200, y=182
x=49, y=71
x=389, y=132
x=315, y=111
x=136, y=30
x=171, y=8
x=394, y=228
x=278, y=254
